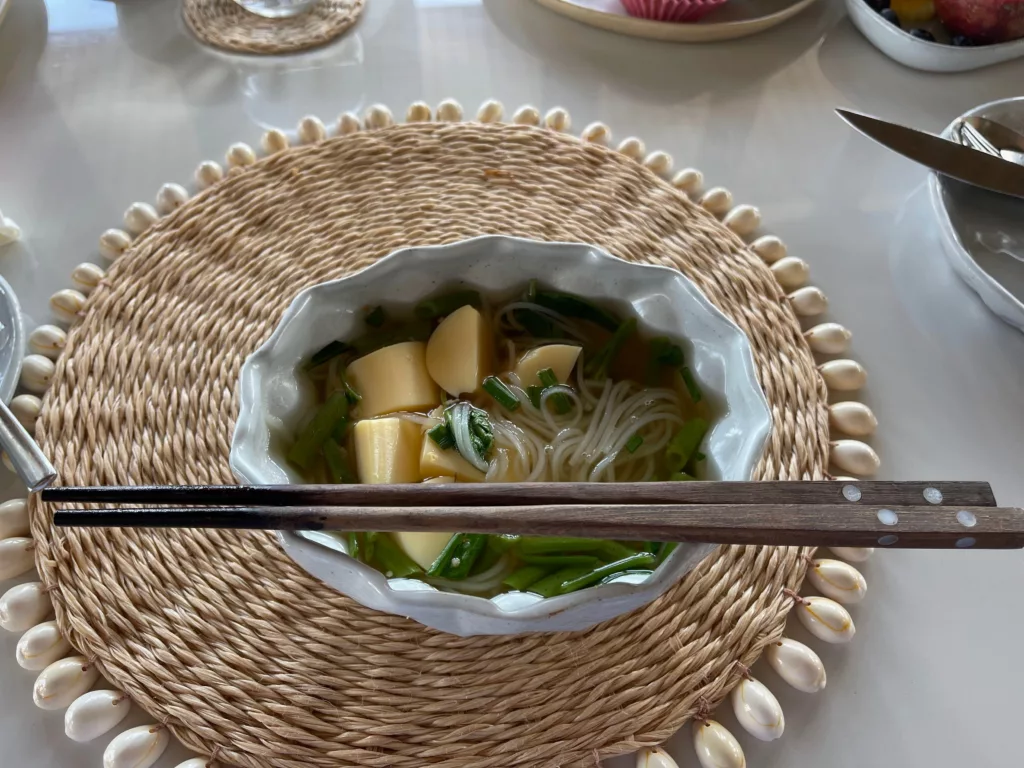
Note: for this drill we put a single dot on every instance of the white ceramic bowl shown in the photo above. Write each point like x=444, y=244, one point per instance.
x=12, y=341
x=273, y=400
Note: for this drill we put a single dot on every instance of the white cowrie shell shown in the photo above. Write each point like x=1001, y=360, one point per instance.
x=838, y=580
x=48, y=341
x=311, y=130
x=854, y=456
x=597, y=133
x=808, y=301
x=491, y=111
x=716, y=747
x=828, y=338
x=717, y=200
x=208, y=173
x=37, y=373
x=843, y=375
x=170, y=197
x=526, y=115
x=16, y=557
x=137, y=747
x=139, y=217
x=86, y=276
x=557, y=119
x=826, y=619
x=195, y=762
x=66, y=304
x=743, y=220
x=41, y=646
x=769, y=248
x=419, y=112
x=378, y=116
x=790, y=272
x=853, y=418
x=63, y=681
x=633, y=148
x=797, y=664
x=348, y=123
x=240, y=155
x=757, y=710
x=659, y=163
x=94, y=713
x=113, y=243
x=449, y=111
x=689, y=180
x=26, y=409
x=14, y=518
x=274, y=140
x=24, y=606
x=853, y=554
x=654, y=757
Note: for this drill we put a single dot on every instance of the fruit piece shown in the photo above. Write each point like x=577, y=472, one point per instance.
x=913, y=11
x=890, y=15
x=877, y=5
x=983, y=21
x=961, y=41
x=923, y=34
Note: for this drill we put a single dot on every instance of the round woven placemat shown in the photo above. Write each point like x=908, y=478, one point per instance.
x=240, y=652
x=225, y=24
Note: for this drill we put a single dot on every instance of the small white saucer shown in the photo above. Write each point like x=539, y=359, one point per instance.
x=12, y=341
x=982, y=232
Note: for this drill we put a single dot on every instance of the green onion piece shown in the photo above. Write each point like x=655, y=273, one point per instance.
x=681, y=477
x=340, y=430
x=560, y=400
x=597, y=366
x=663, y=354
x=699, y=456
x=375, y=317
x=439, y=306
x=306, y=446
x=634, y=442
x=472, y=430
x=351, y=395
x=370, y=545
x=691, y=385
x=536, y=324
x=504, y=396
x=561, y=561
x=493, y=552
x=534, y=393
x=392, y=559
x=457, y=558
x=560, y=545
x=337, y=463
x=442, y=436
x=643, y=560
x=685, y=443
x=378, y=339
x=328, y=353
x=355, y=545
x=571, y=305
x=522, y=578
x=667, y=547
x=551, y=585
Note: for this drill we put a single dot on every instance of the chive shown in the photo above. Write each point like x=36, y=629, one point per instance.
x=681, y=477
x=351, y=395
x=691, y=385
x=375, y=317
x=699, y=456
x=306, y=446
x=551, y=584
x=536, y=324
x=393, y=560
x=558, y=399
x=439, y=306
x=340, y=430
x=686, y=441
x=504, y=396
x=458, y=556
x=663, y=354
x=634, y=442
x=522, y=578
x=559, y=545
x=355, y=549
x=442, y=436
x=597, y=366
x=328, y=353
x=378, y=339
x=337, y=463
x=534, y=393
x=644, y=560
x=561, y=561
x=571, y=305
x=493, y=551
x=369, y=545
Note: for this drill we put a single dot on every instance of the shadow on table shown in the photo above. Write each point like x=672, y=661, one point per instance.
x=23, y=35
x=652, y=71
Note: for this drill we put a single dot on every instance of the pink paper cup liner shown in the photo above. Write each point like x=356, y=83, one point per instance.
x=671, y=10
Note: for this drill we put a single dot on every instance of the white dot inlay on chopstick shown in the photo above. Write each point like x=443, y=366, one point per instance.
x=888, y=517
x=851, y=493
x=933, y=495
x=965, y=542
x=888, y=540
x=966, y=518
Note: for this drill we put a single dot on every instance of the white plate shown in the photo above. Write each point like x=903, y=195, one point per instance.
x=273, y=398
x=921, y=54
x=736, y=18
x=982, y=232
x=12, y=340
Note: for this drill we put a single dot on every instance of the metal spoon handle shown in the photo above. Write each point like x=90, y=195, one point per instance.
x=970, y=136
x=34, y=469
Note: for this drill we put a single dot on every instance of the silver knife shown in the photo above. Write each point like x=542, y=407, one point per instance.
x=942, y=156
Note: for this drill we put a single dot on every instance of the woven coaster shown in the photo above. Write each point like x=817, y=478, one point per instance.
x=225, y=24
x=240, y=652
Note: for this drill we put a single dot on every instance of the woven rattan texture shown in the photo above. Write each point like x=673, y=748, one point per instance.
x=225, y=24
x=240, y=652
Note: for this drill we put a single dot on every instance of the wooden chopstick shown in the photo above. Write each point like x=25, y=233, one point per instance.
x=965, y=517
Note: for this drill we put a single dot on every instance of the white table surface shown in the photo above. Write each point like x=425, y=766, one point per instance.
x=101, y=103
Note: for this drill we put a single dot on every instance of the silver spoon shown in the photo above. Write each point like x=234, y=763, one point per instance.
x=1008, y=143
x=32, y=466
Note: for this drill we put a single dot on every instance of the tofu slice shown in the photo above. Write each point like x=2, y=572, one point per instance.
x=435, y=462
x=459, y=354
x=560, y=358
x=387, y=451
x=423, y=547
x=393, y=379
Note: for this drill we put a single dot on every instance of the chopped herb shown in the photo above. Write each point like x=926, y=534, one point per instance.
x=691, y=385
x=664, y=354
x=340, y=430
x=571, y=305
x=536, y=324
x=534, y=393
x=351, y=395
x=457, y=558
x=504, y=396
x=597, y=366
x=439, y=306
x=328, y=353
x=684, y=444
x=472, y=430
x=442, y=436
x=522, y=578
x=681, y=477
x=699, y=456
x=375, y=317
x=307, y=445
x=559, y=400
x=393, y=560
x=634, y=442
x=550, y=585
x=337, y=463
x=643, y=560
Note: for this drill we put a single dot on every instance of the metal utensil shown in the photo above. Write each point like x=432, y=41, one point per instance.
x=971, y=137
x=942, y=156
x=32, y=466
x=999, y=135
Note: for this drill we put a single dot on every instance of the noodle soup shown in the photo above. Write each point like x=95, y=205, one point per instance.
x=544, y=386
